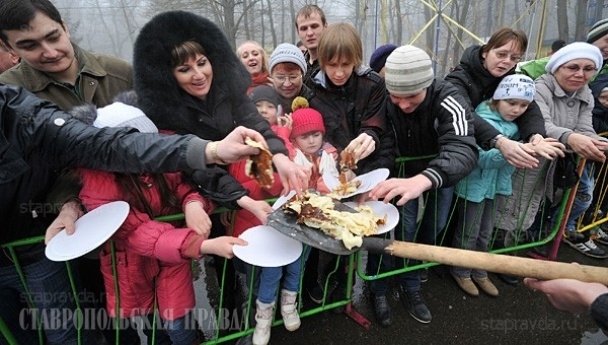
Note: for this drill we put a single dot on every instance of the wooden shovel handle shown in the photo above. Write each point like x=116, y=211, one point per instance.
x=512, y=265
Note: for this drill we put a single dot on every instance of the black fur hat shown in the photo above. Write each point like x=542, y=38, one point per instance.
x=159, y=94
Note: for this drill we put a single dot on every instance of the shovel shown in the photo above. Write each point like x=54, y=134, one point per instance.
x=285, y=223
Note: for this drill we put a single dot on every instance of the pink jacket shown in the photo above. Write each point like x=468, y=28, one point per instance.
x=148, y=252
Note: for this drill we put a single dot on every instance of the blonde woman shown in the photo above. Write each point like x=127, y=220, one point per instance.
x=255, y=59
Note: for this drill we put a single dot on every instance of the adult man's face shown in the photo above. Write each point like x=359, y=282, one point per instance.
x=44, y=44
x=408, y=103
x=310, y=30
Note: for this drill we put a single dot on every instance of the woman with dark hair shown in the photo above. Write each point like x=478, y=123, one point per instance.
x=480, y=71
x=189, y=81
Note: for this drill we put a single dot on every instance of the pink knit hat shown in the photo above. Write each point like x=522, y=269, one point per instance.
x=304, y=121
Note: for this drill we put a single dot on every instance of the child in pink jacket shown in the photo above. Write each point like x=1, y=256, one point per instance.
x=152, y=258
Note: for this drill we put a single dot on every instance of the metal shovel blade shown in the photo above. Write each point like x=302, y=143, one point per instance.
x=285, y=222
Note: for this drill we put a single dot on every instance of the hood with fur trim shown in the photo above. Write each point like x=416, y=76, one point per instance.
x=160, y=97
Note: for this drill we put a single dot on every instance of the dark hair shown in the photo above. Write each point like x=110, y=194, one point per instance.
x=557, y=45
x=503, y=36
x=309, y=10
x=132, y=188
x=185, y=52
x=17, y=14
x=299, y=44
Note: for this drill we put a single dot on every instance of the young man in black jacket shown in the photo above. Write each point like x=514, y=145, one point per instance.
x=430, y=118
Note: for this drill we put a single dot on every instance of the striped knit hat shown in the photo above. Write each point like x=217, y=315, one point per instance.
x=409, y=70
x=598, y=30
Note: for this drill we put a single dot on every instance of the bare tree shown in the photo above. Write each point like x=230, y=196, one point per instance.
x=562, y=19
x=580, y=30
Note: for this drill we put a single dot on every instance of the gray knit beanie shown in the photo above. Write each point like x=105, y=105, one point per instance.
x=598, y=30
x=286, y=52
x=409, y=70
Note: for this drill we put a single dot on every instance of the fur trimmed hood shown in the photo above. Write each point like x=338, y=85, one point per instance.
x=159, y=95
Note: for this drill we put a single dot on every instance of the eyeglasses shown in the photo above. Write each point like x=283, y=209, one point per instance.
x=576, y=68
x=503, y=55
x=283, y=78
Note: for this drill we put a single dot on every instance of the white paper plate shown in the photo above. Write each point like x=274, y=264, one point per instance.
x=368, y=181
x=92, y=230
x=267, y=247
x=381, y=209
x=283, y=199
x=371, y=179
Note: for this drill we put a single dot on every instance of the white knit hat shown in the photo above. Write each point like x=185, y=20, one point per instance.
x=286, y=52
x=119, y=114
x=573, y=51
x=515, y=86
x=409, y=70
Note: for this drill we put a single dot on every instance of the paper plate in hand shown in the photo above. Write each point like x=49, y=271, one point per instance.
x=371, y=179
x=92, y=230
x=368, y=181
x=381, y=209
x=282, y=200
x=267, y=247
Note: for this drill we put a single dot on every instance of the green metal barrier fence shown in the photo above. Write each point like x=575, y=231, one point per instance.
x=355, y=262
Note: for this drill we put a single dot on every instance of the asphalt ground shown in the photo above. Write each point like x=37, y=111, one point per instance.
x=517, y=316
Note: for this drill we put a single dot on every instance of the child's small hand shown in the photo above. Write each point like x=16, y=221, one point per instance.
x=221, y=246
x=285, y=121
x=261, y=210
x=197, y=218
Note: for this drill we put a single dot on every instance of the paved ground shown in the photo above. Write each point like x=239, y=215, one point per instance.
x=517, y=316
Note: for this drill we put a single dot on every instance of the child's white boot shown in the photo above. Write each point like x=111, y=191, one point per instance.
x=263, y=322
x=289, y=310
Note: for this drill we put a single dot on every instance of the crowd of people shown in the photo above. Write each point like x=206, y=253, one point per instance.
x=82, y=129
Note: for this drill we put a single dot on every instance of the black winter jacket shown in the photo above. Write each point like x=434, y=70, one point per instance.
x=38, y=140
x=357, y=107
x=170, y=108
x=477, y=85
x=442, y=127
x=600, y=112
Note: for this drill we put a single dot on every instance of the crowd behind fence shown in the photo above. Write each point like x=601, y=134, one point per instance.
x=355, y=264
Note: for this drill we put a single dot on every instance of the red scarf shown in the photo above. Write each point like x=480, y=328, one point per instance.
x=257, y=80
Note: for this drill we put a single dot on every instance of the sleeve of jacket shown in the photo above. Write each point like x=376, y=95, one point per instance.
x=247, y=115
x=484, y=132
x=375, y=123
x=35, y=124
x=491, y=159
x=544, y=98
x=531, y=122
x=457, y=148
x=585, y=121
x=185, y=192
x=373, y=120
x=217, y=185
